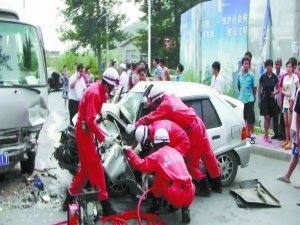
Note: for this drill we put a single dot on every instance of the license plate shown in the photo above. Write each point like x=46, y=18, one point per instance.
x=4, y=159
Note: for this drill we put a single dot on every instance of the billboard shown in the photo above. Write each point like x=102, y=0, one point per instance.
x=222, y=36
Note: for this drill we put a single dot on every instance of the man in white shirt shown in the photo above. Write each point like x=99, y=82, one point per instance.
x=76, y=90
x=124, y=79
x=217, y=81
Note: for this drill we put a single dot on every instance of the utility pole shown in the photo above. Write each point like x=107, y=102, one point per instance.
x=107, y=41
x=149, y=34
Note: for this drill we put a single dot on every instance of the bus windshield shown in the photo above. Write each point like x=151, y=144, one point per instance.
x=21, y=56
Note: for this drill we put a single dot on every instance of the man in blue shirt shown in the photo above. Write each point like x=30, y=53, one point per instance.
x=158, y=72
x=179, y=71
x=246, y=85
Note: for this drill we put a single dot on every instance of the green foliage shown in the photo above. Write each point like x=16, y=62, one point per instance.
x=70, y=59
x=165, y=16
x=85, y=24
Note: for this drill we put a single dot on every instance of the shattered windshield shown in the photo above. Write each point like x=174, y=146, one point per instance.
x=130, y=104
x=21, y=61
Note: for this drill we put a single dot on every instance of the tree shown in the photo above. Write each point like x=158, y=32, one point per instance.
x=85, y=24
x=165, y=16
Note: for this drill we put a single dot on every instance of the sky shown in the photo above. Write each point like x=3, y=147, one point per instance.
x=44, y=13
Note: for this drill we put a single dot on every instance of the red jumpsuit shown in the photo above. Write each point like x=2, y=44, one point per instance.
x=174, y=109
x=178, y=137
x=172, y=180
x=90, y=164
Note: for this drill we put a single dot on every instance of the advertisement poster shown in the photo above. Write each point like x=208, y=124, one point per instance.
x=190, y=52
x=223, y=37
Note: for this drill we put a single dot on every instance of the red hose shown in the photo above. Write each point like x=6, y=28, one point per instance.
x=139, y=205
x=61, y=222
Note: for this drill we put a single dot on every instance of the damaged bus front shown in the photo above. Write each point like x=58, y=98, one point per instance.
x=23, y=92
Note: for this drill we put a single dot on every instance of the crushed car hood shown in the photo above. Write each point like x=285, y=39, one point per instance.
x=22, y=108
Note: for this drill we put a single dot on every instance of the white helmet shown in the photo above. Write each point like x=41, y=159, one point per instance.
x=161, y=136
x=155, y=93
x=111, y=76
x=141, y=134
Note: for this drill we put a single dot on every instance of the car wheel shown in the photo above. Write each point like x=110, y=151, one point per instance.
x=228, y=165
x=28, y=166
x=116, y=190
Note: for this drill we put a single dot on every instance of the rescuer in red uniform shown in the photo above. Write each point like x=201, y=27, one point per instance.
x=171, y=178
x=86, y=127
x=178, y=137
x=172, y=108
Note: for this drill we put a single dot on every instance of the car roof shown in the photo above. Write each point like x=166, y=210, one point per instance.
x=180, y=89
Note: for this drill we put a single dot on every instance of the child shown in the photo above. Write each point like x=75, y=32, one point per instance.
x=65, y=80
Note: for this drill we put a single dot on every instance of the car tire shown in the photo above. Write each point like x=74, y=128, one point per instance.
x=116, y=190
x=229, y=165
x=28, y=166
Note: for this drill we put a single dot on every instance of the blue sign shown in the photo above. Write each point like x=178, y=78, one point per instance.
x=4, y=159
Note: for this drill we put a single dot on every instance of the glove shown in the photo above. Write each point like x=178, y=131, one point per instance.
x=104, y=114
x=138, y=148
x=125, y=149
x=130, y=128
x=109, y=140
x=145, y=102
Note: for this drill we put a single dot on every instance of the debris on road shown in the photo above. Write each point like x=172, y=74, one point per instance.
x=45, y=172
x=251, y=193
x=32, y=191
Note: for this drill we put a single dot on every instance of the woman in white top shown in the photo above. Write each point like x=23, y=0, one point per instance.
x=289, y=87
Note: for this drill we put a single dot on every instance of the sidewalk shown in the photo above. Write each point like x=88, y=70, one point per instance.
x=272, y=150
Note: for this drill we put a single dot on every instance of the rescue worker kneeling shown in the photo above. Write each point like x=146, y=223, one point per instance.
x=172, y=180
x=163, y=106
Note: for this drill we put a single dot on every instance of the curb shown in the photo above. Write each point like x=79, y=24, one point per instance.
x=270, y=152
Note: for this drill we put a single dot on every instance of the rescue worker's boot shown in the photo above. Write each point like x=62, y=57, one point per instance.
x=155, y=205
x=185, y=212
x=69, y=198
x=202, y=187
x=107, y=208
x=215, y=184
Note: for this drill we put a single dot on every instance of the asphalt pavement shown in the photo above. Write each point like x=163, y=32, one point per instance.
x=266, y=163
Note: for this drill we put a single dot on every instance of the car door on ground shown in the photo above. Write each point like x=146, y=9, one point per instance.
x=206, y=111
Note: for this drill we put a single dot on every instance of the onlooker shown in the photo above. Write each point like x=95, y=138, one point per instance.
x=246, y=85
x=135, y=76
x=65, y=80
x=179, y=71
x=128, y=67
x=158, y=72
x=249, y=54
x=144, y=64
x=278, y=121
x=90, y=76
x=114, y=64
x=290, y=84
x=217, y=81
x=268, y=82
x=165, y=69
x=295, y=141
x=76, y=90
x=124, y=79
x=143, y=73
